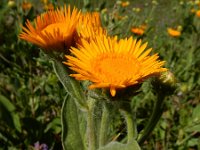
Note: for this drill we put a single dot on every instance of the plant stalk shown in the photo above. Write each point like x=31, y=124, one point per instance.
x=157, y=113
x=71, y=85
x=130, y=125
x=104, y=126
x=91, y=125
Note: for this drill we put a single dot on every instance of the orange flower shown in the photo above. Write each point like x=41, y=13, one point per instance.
x=113, y=64
x=198, y=13
x=125, y=4
x=53, y=30
x=26, y=5
x=173, y=32
x=139, y=30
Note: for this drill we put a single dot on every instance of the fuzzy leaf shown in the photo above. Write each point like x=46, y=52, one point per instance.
x=71, y=137
x=133, y=145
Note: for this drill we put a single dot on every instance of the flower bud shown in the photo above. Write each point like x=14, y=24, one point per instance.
x=165, y=83
x=168, y=78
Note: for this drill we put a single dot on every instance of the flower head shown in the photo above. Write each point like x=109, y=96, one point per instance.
x=136, y=9
x=198, y=13
x=114, y=64
x=139, y=30
x=53, y=30
x=38, y=146
x=173, y=32
x=125, y=4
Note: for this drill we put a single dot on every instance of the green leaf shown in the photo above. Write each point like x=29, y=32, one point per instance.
x=195, y=128
x=133, y=145
x=54, y=125
x=196, y=114
x=71, y=137
x=6, y=103
x=8, y=109
x=193, y=142
x=16, y=121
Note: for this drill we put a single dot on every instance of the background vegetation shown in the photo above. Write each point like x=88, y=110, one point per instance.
x=31, y=95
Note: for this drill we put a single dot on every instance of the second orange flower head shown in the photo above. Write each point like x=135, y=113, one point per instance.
x=56, y=30
x=53, y=30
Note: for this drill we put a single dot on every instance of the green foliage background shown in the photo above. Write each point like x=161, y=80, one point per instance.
x=31, y=95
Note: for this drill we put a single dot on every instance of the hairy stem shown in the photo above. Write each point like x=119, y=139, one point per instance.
x=157, y=113
x=130, y=125
x=104, y=126
x=91, y=125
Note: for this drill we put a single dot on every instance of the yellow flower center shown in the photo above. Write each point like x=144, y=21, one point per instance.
x=118, y=67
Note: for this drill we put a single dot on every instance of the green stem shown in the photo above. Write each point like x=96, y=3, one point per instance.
x=130, y=125
x=186, y=139
x=104, y=126
x=91, y=125
x=157, y=113
x=70, y=84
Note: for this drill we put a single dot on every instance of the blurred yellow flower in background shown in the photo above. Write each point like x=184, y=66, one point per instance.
x=136, y=9
x=113, y=64
x=198, y=13
x=11, y=3
x=173, y=32
x=53, y=30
